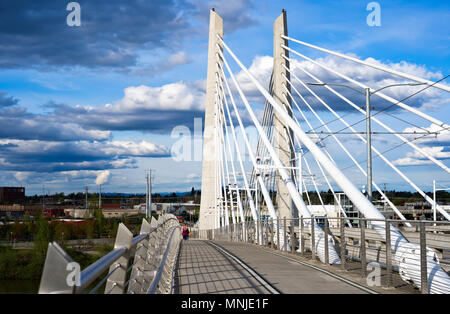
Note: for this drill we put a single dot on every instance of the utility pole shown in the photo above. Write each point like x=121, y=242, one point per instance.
x=43, y=199
x=150, y=195
x=434, y=199
x=148, y=198
x=86, y=197
x=100, y=198
x=369, y=146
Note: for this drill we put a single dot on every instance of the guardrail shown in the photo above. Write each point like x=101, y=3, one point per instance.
x=356, y=239
x=141, y=264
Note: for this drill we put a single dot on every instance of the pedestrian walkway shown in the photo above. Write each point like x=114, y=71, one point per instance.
x=203, y=268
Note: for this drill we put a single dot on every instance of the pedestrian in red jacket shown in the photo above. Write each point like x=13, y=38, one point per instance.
x=185, y=232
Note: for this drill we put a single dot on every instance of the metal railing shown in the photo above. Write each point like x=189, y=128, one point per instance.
x=358, y=246
x=141, y=264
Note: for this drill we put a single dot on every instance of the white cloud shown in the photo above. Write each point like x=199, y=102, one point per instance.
x=102, y=177
x=174, y=96
x=130, y=148
x=435, y=145
x=177, y=59
x=416, y=158
x=22, y=176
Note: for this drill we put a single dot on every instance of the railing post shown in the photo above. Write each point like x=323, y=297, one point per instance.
x=423, y=259
x=343, y=243
x=257, y=231
x=302, y=239
x=292, y=237
x=266, y=226
x=327, y=259
x=271, y=232
x=116, y=282
x=388, y=255
x=247, y=231
x=135, y=285
x=278, y=234
x=362, y=247
x=284, y=235
x=313, y=240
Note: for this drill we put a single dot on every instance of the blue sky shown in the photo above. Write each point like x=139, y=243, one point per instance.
x=97, y=103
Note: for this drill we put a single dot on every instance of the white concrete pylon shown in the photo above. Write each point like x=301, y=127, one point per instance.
x=209, y=163
x=284, y=149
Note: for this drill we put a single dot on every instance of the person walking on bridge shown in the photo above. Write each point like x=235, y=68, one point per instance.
x=185, y=232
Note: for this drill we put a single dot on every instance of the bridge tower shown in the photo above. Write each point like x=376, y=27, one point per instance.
x=282, y=133
x=208, y=202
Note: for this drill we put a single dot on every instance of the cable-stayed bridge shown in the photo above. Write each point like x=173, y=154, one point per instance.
x=252, y=209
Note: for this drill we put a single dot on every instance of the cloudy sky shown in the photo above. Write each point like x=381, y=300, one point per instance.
x=99, y=103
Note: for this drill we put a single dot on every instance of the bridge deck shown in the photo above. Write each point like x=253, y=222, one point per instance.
x=204, y=269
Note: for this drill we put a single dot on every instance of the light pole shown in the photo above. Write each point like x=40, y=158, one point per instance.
x=367, y=93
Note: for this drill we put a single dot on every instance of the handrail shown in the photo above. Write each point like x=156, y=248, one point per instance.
x=160, y=270
x=55, y=276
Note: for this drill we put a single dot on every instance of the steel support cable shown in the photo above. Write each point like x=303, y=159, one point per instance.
x=307, y=194
x=236, y=186
x=379, y=94
x=256, y=171
x=368, y=210
x=298, y=200
x=352, y=192
x=224, y=97
x=263, y=136
x=250, y=200
x=381, y=155
x=336, y=139
x=379, y=67
x=424, y=153
x=307, y=167
x=324, y=176
x=226, y=162
x=227, y=218
x=260, y=148
x=387, y=108
x=266, y=195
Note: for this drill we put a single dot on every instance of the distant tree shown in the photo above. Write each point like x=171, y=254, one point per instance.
x=99, y=222
x=192, y=191
x=113, y=231
x=42, y=236
x=88, y=229
x=61, y=231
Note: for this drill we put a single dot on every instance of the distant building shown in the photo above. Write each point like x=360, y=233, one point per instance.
x=110, y=206
x=12, y=194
